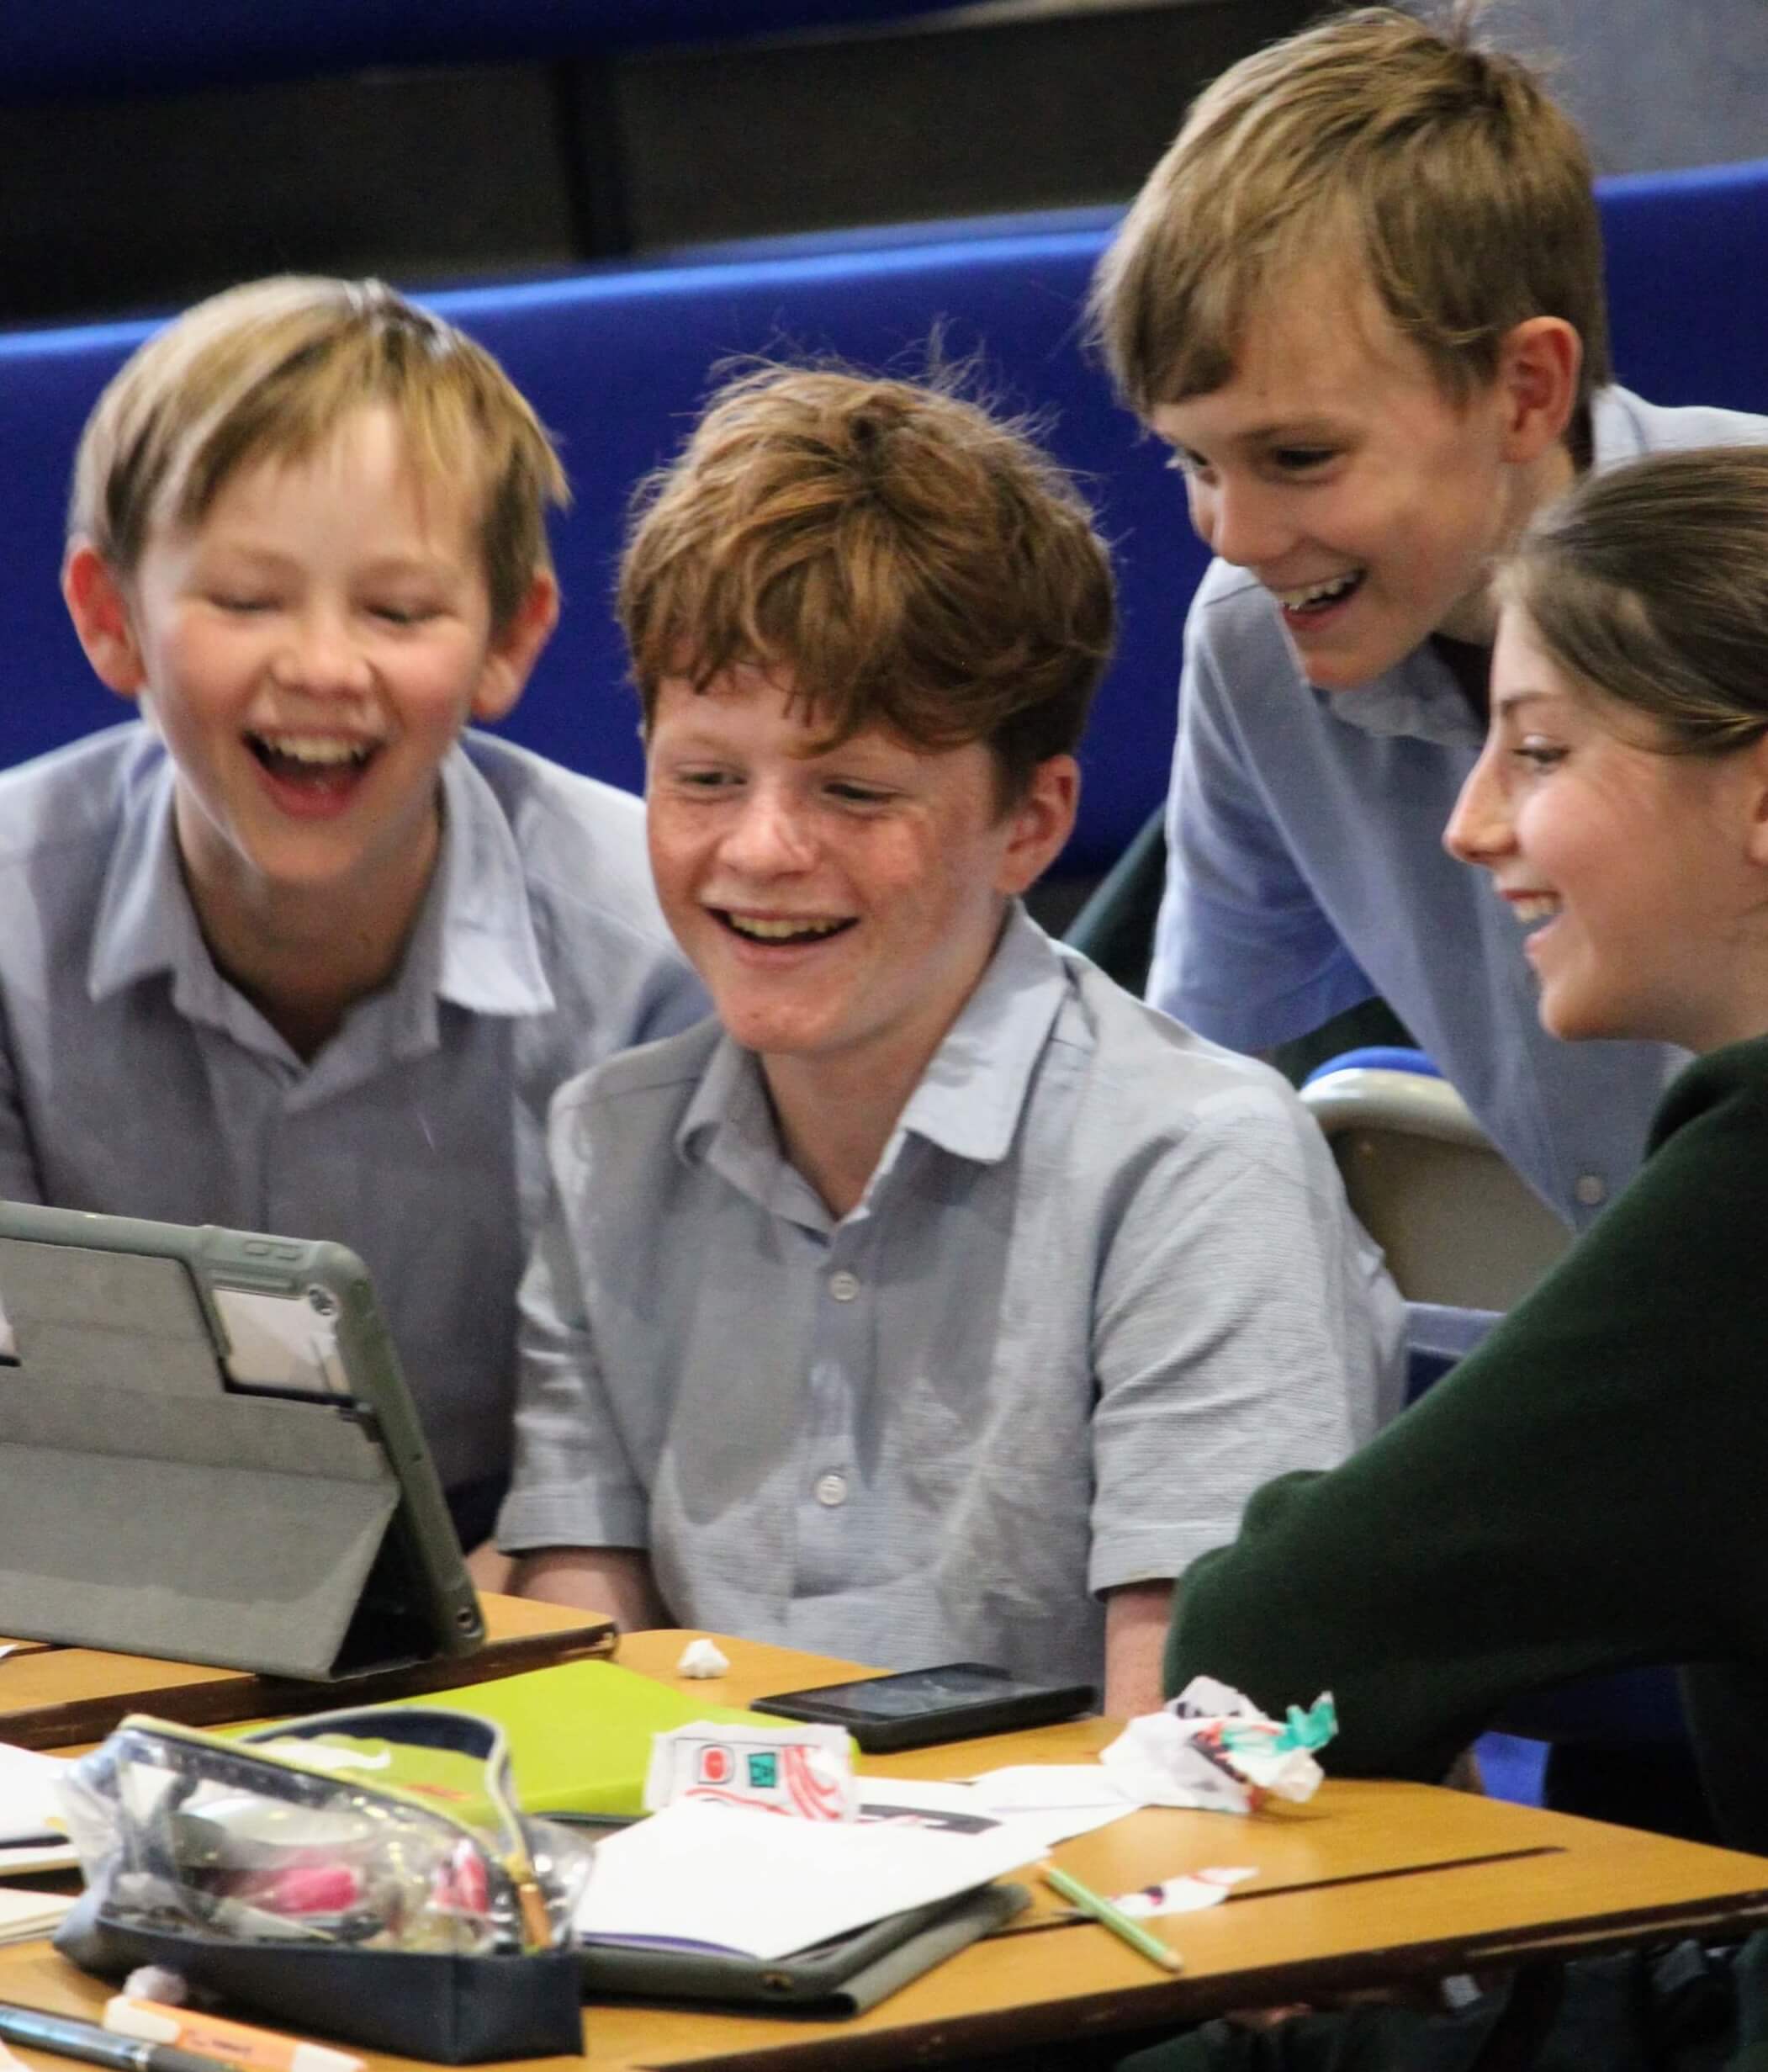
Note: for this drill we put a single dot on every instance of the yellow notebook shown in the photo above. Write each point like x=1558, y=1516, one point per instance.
x=579, y=1733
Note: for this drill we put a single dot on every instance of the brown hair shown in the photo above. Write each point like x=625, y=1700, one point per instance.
x=1466, y=193
x=1650, y=586
x=915, y=563
x=268, y=371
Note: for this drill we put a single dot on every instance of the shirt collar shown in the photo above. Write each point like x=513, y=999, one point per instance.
x=146, y=923
x=1419, y=695
x=488, y=955
x=474, y=942
x=971, y=1096
x=968, y=1100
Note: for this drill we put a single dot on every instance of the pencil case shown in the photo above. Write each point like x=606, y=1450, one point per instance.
x=364, y=1874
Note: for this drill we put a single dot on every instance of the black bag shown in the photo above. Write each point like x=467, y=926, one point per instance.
x=1685, y=2009
x=453, y=2010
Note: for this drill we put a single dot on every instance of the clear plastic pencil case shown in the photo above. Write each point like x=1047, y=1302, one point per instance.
x=368, y=1874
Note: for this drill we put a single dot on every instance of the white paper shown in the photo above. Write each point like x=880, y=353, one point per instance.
x=26, y=1914
x=738, y=1878
x=1156, y=1760
x=1042, y=1786
x=959, y=1809
x=1208, y=1698
x=37, y=1855
x=1064, y=1798
x=31, y=1804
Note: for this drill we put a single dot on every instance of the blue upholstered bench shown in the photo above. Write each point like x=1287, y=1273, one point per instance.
x=616, y=361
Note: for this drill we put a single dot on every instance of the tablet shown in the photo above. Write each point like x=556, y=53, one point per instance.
x=208, y=1454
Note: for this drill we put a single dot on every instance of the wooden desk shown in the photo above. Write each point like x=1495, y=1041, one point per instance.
x=1369, y=1883
x=65, y=1697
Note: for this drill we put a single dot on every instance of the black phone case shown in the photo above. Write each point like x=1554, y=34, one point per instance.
x=939, y=1723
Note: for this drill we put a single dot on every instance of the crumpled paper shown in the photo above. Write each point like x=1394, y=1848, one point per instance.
x=702, y=1658
x=1211, y=1748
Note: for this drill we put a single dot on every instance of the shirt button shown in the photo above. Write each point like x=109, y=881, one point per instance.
x=831, y=1490
x=843, y=1286
x=1591, y=1188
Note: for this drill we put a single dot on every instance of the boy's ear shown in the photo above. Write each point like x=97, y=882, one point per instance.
x=99, y=608
x=1538, y=361
x=516, y=647
x=1040, y=824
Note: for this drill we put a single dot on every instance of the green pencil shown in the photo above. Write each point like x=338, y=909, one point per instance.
x=1113, y=1918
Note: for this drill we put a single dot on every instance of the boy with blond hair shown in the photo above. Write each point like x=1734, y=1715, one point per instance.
x=292, y=954
x=1361, y=297
x=937, y=1300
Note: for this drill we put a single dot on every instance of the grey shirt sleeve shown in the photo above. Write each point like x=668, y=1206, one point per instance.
x=1236, y=1334
x=573, y=1485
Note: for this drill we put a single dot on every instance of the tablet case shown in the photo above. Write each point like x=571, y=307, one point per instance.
x=105, y=1688
x=155, y=1506
x=844, y=1976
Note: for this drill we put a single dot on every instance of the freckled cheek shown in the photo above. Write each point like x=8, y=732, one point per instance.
x=679, y=865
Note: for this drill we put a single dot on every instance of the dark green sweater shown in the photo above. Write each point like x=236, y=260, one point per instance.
x=1588, y=1490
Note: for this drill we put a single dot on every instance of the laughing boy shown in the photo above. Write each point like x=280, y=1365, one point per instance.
x=937, y=1299
x=292, y=954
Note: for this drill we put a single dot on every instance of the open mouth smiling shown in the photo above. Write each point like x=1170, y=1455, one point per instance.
x=317, y=759
x=1532, y=908
x=1309, y=598
x=777, y=929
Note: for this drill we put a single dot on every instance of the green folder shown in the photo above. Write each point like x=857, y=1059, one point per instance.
x=579, y=1733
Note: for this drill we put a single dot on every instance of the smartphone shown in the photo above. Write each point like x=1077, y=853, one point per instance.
x=920, y=1706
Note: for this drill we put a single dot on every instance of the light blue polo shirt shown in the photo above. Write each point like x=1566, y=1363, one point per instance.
x=135, y=1080
x=1102, y=1286
x=1305, y=871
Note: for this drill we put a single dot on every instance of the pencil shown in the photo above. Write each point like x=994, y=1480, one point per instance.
x=1109, y=1917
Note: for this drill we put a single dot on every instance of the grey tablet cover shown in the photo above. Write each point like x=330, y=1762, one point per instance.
x=844, y=1976
x=148, y=1505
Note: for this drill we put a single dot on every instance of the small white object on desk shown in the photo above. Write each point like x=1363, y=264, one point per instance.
x=1189, y=1894
x=702, y=1658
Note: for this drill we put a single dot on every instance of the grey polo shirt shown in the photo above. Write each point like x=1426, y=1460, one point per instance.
x=1102, y=1286
x=134, y=1079
x=1305, y=871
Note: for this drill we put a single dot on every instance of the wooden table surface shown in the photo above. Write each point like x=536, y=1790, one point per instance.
x=1369, y=1882
x=63, y=1697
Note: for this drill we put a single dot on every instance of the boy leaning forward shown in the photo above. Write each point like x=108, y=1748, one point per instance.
x=1361, y=298
x=937, y=1299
